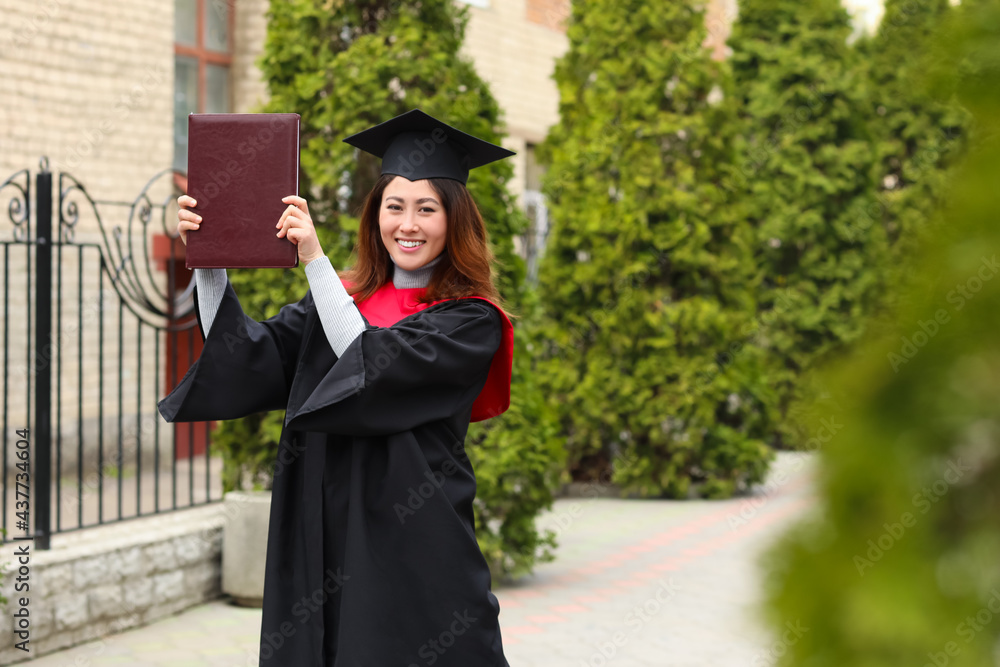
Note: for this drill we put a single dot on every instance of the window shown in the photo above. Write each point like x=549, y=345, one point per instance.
x=203, y=48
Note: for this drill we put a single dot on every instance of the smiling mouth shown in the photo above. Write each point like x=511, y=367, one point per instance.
x=410, y=244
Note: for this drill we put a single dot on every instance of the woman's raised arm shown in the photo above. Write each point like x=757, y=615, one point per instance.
x=245, y=366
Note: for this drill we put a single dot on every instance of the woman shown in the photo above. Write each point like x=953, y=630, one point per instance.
x=371, y=556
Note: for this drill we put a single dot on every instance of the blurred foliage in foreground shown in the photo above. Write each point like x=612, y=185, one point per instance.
x=901, y=564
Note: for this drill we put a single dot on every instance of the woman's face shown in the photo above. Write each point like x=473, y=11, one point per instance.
x=411, y=211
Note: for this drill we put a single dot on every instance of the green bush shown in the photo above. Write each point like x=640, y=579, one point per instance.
x=806, y=172
x=917, y=137
x=345, y=67
x=518, y=458
x=646, y=277
x=900, y=564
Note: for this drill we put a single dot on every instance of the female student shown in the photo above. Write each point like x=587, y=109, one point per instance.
x=372, y=557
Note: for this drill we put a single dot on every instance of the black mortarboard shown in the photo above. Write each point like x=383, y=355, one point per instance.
x=416, y=146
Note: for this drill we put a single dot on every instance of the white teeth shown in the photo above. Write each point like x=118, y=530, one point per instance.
x=409, y=244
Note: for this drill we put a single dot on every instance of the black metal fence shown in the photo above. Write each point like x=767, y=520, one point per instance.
x=97, y=325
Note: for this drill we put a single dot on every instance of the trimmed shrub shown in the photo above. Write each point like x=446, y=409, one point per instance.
x=648, y=299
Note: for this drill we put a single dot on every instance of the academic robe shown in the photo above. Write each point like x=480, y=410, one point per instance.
x=372, y=559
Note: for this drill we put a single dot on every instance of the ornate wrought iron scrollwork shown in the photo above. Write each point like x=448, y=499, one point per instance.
x=129, y=272
x=19, y=206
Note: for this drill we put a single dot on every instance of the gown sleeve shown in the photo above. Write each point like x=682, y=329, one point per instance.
x=245, y=366
x=339, y=315
x=424, y=368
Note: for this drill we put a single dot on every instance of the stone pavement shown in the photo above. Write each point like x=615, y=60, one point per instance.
x=636, y=583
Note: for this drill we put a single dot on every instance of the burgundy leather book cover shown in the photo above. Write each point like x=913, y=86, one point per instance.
x=240, y=165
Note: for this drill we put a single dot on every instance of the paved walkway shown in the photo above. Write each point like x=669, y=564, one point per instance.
x=636, y=583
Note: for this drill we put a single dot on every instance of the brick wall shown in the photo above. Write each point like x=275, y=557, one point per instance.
x=249, y=90
x=90, y=85
x=514, y=45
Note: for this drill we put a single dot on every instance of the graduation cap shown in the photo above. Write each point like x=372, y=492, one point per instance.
x=415, y=145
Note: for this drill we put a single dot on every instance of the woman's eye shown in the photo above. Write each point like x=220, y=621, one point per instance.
x=427, y=209
x=395, y=207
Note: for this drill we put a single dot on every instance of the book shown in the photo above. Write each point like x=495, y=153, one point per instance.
x=240, y=165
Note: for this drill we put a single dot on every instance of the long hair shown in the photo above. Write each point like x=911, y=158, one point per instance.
x=466, y=266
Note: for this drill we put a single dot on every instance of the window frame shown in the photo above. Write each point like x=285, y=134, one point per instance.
x=204, y=55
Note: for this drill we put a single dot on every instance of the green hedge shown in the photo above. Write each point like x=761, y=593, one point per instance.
x=647, y=276
x=806, y=170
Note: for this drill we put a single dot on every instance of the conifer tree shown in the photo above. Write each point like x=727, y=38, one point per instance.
x=918, y=137
x=645, y=276
x=346, y=66
x=898, y=564
x=806, y=171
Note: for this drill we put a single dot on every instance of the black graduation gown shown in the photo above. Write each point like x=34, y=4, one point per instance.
x=372, y=559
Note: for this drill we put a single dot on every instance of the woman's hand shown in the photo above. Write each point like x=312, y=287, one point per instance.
x=187, y=220
x=296, y=225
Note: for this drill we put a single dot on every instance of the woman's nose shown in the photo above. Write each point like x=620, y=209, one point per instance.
x=409, y=222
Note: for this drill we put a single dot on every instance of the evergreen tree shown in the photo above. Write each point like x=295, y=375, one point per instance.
x=645, y=276
x=918, y=137
x=900, y=563
x=345, y=67
x=806, y=175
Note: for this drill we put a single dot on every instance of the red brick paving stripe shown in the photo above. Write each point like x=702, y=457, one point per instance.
x=591, y=599
x=627, y=583
x=711, y=544
x=759, y=522
x=568, y=608
x=697, y=525
x=716, y=543
x=619, y=558
x=526, y=593
x=755, y=524
x=520, y=630
x=668, y=566
x=551, y=618
x=697, y=548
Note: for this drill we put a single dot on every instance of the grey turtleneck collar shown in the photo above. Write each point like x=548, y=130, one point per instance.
x=404, y=279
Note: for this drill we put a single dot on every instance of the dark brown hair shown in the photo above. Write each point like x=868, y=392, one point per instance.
x=466, y=266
